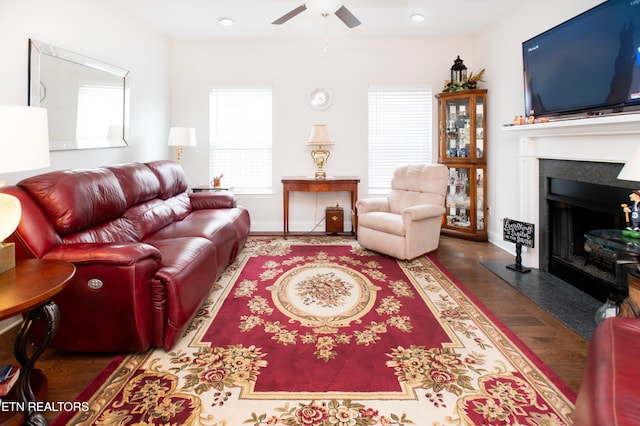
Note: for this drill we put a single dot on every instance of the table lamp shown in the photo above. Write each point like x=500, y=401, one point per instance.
x=24, y=138
x=182, y=136
x=320, y=137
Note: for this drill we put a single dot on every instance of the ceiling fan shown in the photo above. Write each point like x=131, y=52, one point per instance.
x=325, y=8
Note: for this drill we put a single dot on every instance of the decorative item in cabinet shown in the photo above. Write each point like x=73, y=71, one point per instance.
x=462, y=147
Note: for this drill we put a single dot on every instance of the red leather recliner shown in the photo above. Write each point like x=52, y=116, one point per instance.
x=146, y=251
x=609, y=393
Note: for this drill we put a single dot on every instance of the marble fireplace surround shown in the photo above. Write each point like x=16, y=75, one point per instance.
x=607, y=139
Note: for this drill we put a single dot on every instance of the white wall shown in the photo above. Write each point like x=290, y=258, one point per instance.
x=102, y=30
x=293, y=68
x=498, y=49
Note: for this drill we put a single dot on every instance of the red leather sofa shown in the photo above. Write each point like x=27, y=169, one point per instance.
x=609, y=393
x=146, y=251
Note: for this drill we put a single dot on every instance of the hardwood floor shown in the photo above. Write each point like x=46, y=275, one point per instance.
x=559, y=347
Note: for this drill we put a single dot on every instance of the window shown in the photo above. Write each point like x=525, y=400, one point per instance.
x=100, y=109
x=399, y=132
x=240, y=142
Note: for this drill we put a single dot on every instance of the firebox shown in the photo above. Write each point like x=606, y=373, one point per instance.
x=580, y=197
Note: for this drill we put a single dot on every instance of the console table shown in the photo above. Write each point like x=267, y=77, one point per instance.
x=27, y=289
x=308, y=184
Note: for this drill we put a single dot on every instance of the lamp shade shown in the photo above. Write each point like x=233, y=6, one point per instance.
x=319, y=135
x=631, y=170
x=10, y=212
x=24, y=138
x=182, y=136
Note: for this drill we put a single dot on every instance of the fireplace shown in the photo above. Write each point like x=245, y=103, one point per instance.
x=576, y=197
x=585, y=150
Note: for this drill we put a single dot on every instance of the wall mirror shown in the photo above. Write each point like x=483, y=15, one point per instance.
x=87, y=100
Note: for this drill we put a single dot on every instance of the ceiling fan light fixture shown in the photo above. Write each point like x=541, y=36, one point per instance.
x=324, y=7
x=225, y=22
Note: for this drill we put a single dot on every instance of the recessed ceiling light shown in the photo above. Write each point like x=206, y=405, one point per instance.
x=225, y=22
x=416, y=17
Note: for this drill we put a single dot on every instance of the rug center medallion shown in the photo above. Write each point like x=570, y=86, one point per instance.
x=323, y=296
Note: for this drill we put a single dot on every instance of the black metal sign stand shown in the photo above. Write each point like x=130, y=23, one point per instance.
x=520, y=233
x=518, y=265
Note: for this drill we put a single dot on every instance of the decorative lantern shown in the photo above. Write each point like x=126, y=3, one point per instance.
x=458, y=72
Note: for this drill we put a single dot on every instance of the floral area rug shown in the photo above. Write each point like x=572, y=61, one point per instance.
x=319, y=331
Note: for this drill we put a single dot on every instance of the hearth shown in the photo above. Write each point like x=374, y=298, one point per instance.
x=576, y=197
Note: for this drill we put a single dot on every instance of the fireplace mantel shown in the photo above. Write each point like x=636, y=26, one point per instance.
x=610, y=138
x=623, y=124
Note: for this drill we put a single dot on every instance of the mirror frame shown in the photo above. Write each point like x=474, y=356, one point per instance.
x=37, y=49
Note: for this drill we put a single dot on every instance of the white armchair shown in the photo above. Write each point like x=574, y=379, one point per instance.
x=406, y=223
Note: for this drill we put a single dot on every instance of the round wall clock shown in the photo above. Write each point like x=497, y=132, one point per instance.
x=319, y=99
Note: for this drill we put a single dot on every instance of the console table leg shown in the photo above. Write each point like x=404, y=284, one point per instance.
x=48, y=312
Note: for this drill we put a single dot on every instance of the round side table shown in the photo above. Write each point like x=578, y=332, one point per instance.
x=28, y=289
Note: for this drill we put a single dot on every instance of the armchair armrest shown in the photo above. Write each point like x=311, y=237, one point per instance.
x=212, y=200
x=104, y=253
x=422, y=211
x=374, y=204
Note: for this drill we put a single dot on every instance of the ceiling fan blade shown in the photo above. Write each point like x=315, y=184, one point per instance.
x=290, y=15
x=347, y=17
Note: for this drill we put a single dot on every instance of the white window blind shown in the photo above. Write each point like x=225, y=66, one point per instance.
x=240, y=121
x=399, y=132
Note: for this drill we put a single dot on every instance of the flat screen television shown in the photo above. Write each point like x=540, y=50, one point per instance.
x=588, y=64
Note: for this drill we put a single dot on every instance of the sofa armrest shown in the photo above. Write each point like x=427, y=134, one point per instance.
x=104, y=253
x=109, y=298
x=609, y=393
x=212, y=200
x=374, y=204
x=422, y=211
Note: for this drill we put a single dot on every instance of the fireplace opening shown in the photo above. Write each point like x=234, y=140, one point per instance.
x=575, y=208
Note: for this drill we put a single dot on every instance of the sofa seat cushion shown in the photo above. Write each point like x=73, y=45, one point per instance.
x=188, y=269
x=219, y=232
x=114, y=231
x=389, y=223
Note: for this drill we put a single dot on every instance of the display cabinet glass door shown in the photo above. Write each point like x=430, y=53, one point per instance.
x=479, y=119
x=458, y=134
x=465, y=184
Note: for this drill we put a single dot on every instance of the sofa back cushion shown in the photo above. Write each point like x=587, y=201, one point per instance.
x=146, y=218
x=173, y=186
x=137, y=181
x=77, y=199
x=418, y=184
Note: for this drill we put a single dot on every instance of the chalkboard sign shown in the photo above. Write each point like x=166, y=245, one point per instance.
x=520, y=233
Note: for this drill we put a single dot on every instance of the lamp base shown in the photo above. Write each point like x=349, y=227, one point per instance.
x=321, y=174
x=7, y=257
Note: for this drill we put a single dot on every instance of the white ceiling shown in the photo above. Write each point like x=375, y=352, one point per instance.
x=198, y=19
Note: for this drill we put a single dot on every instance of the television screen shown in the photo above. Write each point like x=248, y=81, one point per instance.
x=588, y=63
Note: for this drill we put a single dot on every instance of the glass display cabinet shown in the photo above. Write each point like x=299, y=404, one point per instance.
x=462, y=147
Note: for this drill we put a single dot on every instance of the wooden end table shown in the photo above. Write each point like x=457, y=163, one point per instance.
x=28, y=289
x=329, y=184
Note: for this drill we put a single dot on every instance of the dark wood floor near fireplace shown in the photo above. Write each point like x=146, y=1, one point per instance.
x=560, y=348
